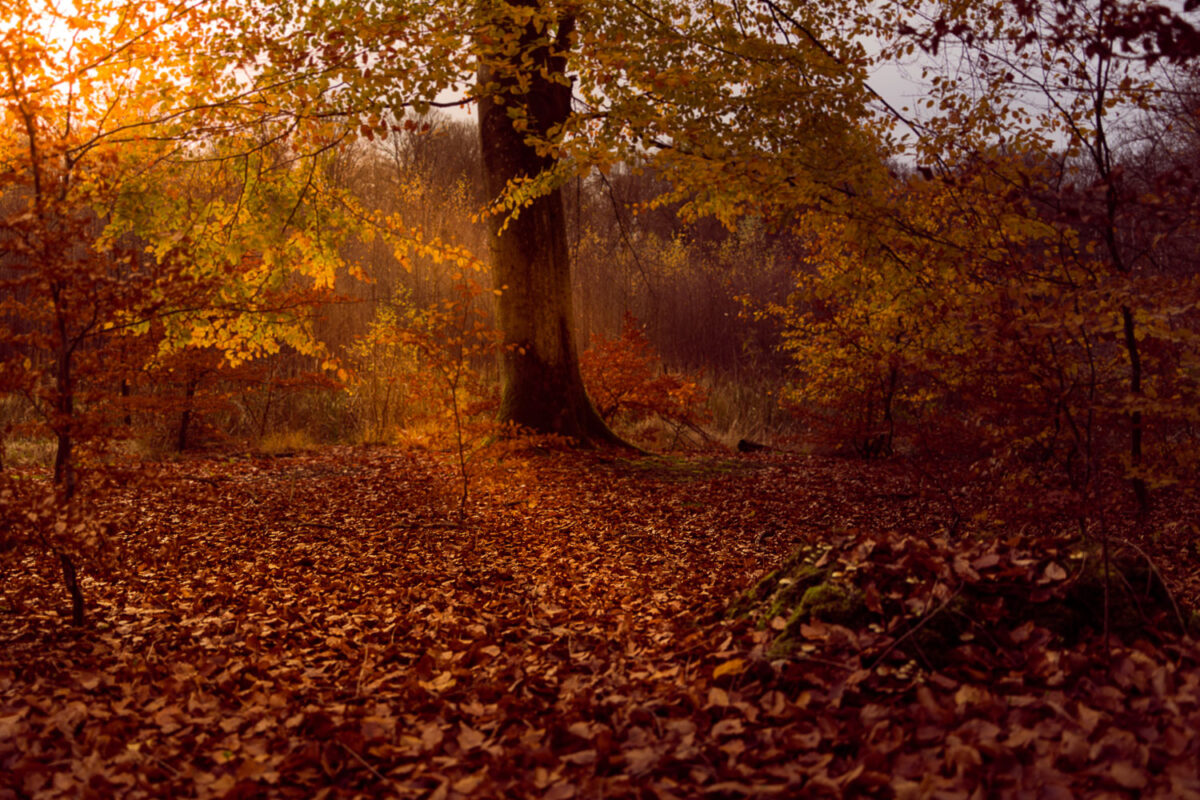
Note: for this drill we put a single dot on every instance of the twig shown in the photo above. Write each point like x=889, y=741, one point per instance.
x=823, y=662
x=363, y=761
x=362, y=670
x=1104, y=551
x=163, y=764
x=1183, y=627
x=909, y=633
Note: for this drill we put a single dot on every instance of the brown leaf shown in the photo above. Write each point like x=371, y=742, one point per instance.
x=167, y=720
x=431, y=735
x=581, y=729
x=1089, y=718
x=641, y=760
x=469, y=783
x=986, y=561
x=1054, y=572
x=717, y=697
x=580, y=757
x=469, y=738
x=560, y=791
x=728, y=727
x=1127, y=775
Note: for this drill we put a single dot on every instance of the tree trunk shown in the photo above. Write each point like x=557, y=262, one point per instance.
x=542, y=389
x=1136, y=425
x=64, y=459
x=185, y=418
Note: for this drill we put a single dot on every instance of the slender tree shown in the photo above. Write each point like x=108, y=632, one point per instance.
x=123, y=232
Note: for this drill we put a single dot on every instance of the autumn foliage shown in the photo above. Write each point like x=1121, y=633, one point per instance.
x=257, y=399
x=293, y=624
x=628, y=384
x=1023, y=305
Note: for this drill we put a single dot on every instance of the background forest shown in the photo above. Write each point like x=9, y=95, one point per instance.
x=1003, y=271
x=668, y=312
x=948, y=250
x=219, y=232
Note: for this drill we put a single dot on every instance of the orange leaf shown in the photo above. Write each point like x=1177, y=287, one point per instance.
x=732, y=667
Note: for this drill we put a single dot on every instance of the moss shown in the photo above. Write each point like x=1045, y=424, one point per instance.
x=799, y=591
x=788, y=593
x=835, y=603
x=785, y=591
x=828, y=601
x=777, y=592
x=783, y=646
x=748, y=600
x=1070, y=609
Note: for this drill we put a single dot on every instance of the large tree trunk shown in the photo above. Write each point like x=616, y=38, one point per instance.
x=542, y=388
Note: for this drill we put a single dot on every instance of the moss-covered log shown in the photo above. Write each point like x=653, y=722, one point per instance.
x=929, y=596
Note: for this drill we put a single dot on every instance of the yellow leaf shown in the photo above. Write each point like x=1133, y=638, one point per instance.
x=733, y=667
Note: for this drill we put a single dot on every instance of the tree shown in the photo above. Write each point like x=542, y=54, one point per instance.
x=742, y=105
x=70, y=283
x=525, y=93
x=125, y=235
x=1020, y=293
x=1068, y=72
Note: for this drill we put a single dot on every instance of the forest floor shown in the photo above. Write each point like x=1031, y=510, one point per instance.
x=323, y=625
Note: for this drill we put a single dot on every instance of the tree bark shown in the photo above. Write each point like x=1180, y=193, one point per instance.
x=541, y=386
x=185, y=418
x=64, y=455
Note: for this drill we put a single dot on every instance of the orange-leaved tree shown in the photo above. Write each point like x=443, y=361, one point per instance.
x=431, y=365
x=628, y=383
x=126, y=235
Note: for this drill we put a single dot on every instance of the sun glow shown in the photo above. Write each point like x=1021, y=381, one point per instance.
x=63, y=51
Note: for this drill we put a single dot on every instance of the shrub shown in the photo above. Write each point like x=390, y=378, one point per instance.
x=628, y=384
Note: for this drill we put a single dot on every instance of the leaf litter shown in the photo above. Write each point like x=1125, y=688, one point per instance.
x=313, y=626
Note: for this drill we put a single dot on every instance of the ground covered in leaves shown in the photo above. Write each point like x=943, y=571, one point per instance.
x=325, y=625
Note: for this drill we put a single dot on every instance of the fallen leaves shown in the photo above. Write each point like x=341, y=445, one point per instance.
x=572, y=647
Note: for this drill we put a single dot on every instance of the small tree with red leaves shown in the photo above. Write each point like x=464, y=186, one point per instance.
x=628, y=384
